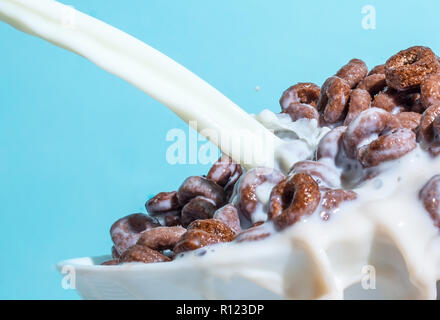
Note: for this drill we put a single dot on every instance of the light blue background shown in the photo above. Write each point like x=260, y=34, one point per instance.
x=80, y=148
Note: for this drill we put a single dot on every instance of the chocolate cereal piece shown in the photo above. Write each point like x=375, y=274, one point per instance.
x=430, y=91
x=430, y=196
x=199, y=186
x=380, y=69
x=248, y=200
x=332, y=199
x=293, y=198
x=408, y=68
x=298, y=111
x=353, y=72
x=330, y=145
x=214, y=226
x=428, y=132
x=333, y=101
x=197, y=208
x=161, y=238
x=195, y=239
x=143, y=254
x=300, y=93
x=389, y=146
x=410, y=120
x=126, y=231
x=113, y=262
x=324, y=174
x=163, y=203
x=255, y=233
x=228, y=214
x=373, y=83
x=360, y=100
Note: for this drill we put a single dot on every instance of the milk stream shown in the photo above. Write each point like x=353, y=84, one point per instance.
x=383, y=245
x=192, y=99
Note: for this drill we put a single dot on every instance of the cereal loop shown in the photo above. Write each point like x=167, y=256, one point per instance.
x=333, y=101
x=199, y=186
x=409, y=120
x=163, y=202
x=143, y=254
x=430, y=196
x=298, y=111
x=430, y=91
x=360, y=100
x=293, y=198
x=229, y=216
x=408, y=68
x=330, y=144
x=322, y=173
x=255, y=233
x=370, y=123
x=249, y=202
x=353, y=72
x=301, y=93
x=161, y=238
x=126, y=231
x=373, y=83
x=387, y=100
x=389, y=146
x=332, y=199
x=197, y=208
x=215, y=227
x=224, y=171
x=195, y=239
x=428, y=132
x=380, y=69
x=172, y=220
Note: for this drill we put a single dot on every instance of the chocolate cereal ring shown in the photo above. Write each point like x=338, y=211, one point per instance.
x=322, y=173
x=353, y=72
x=292, y=198
x=427, y=132
x=360, y=100
x=253, y=181
x=214, y=226
x=389, y=146
x=410, y=120
x=197, y=208
x=387, y=100
x=224, y=172
x=330, y=144
x=333, y=101
x=298, y=111
x=332, y=199
x=199, y=186
x=202, y=233
x=126, y=231
x=380, y=69
x=408, y=68
x=162, y=203
x=255, y=233
x=229, y=216
x=195, y=239
x=143, y=254
x=302, y=93
x=161, y=238
x=373, y=121
x=373, y=83
x=430, y=196
x=430, y=91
